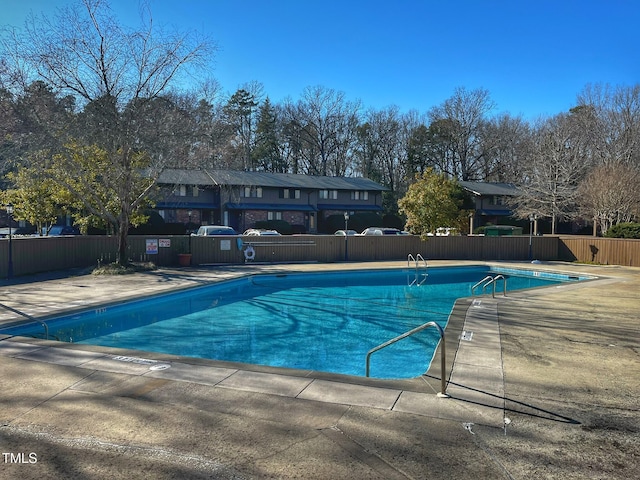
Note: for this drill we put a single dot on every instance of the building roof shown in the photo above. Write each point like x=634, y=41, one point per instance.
x=266, y=179
x=487, y=188
x=179, y=176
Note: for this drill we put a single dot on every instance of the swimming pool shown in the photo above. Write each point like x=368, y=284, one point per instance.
x=313, y=321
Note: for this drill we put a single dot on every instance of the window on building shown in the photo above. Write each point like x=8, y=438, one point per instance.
x=328, y=194
x=357, y=195
x=252, y=192
x=497, y=200
x=181, y=191
x=195, y=191
x=289, y=193
x=274, y=215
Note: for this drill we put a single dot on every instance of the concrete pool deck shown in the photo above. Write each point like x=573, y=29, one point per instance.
x=547, y=386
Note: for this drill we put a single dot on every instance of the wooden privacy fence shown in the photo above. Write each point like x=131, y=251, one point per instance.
x=603, y=251
x=331, y=248
x=45, y=254
x=42, y=254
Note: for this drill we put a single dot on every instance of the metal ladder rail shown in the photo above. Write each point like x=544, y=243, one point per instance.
x=493, y=282
x=443, y=354
x=410, y=259
x=28, y=317
x=488, y=277
x=417, y=262
x=420, y=258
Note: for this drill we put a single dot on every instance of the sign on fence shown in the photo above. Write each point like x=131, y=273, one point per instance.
x=151, y=246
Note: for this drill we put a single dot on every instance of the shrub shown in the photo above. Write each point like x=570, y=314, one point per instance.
x=117, y=269
x=624, y=230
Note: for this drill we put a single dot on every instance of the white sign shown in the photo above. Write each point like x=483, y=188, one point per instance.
x=152, y=246
x=225, y=244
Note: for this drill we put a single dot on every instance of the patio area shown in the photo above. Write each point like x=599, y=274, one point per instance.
x=548, y=389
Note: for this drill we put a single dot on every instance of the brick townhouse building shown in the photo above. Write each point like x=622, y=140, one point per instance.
x=240, y=199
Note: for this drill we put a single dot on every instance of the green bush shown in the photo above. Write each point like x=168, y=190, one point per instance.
x=624, y=230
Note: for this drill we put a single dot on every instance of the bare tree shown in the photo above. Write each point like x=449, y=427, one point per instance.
x=608, y=119
x=119, y=77
x=456, y=129
x=506, y=145
x=610, y=194
x=322, y=128
x=381, y=151
x=553, y=172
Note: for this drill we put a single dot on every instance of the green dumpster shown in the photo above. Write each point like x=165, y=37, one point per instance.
x=501, y=230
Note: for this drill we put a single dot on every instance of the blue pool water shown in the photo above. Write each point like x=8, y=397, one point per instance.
x=316, y=321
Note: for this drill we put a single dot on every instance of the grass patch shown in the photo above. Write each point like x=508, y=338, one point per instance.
x=117, y=269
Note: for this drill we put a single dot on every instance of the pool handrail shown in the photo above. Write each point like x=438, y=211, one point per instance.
x=28, y=317
x=488, y=277
x=493, y=282
x=443, y=354
x=416, y=260
x=489, y=280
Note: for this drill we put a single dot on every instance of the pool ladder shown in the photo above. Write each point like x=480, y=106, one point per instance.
x=28, y=317
x=489, y=280
x=443, y=354
x=420, y=277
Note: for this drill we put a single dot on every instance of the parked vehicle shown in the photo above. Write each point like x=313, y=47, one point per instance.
x=4, y=232
x=383, y=231
x=207, y=230
x=59, y=230
x=346, y=232
x=445, y=232
x=255, y=232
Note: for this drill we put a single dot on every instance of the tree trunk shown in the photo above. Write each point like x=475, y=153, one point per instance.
x=123, y=235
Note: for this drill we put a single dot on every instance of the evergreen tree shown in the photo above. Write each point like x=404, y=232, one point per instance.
x=239, y=112
x=267, y=153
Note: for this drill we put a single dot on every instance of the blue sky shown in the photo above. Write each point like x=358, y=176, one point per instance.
x=533, y=57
